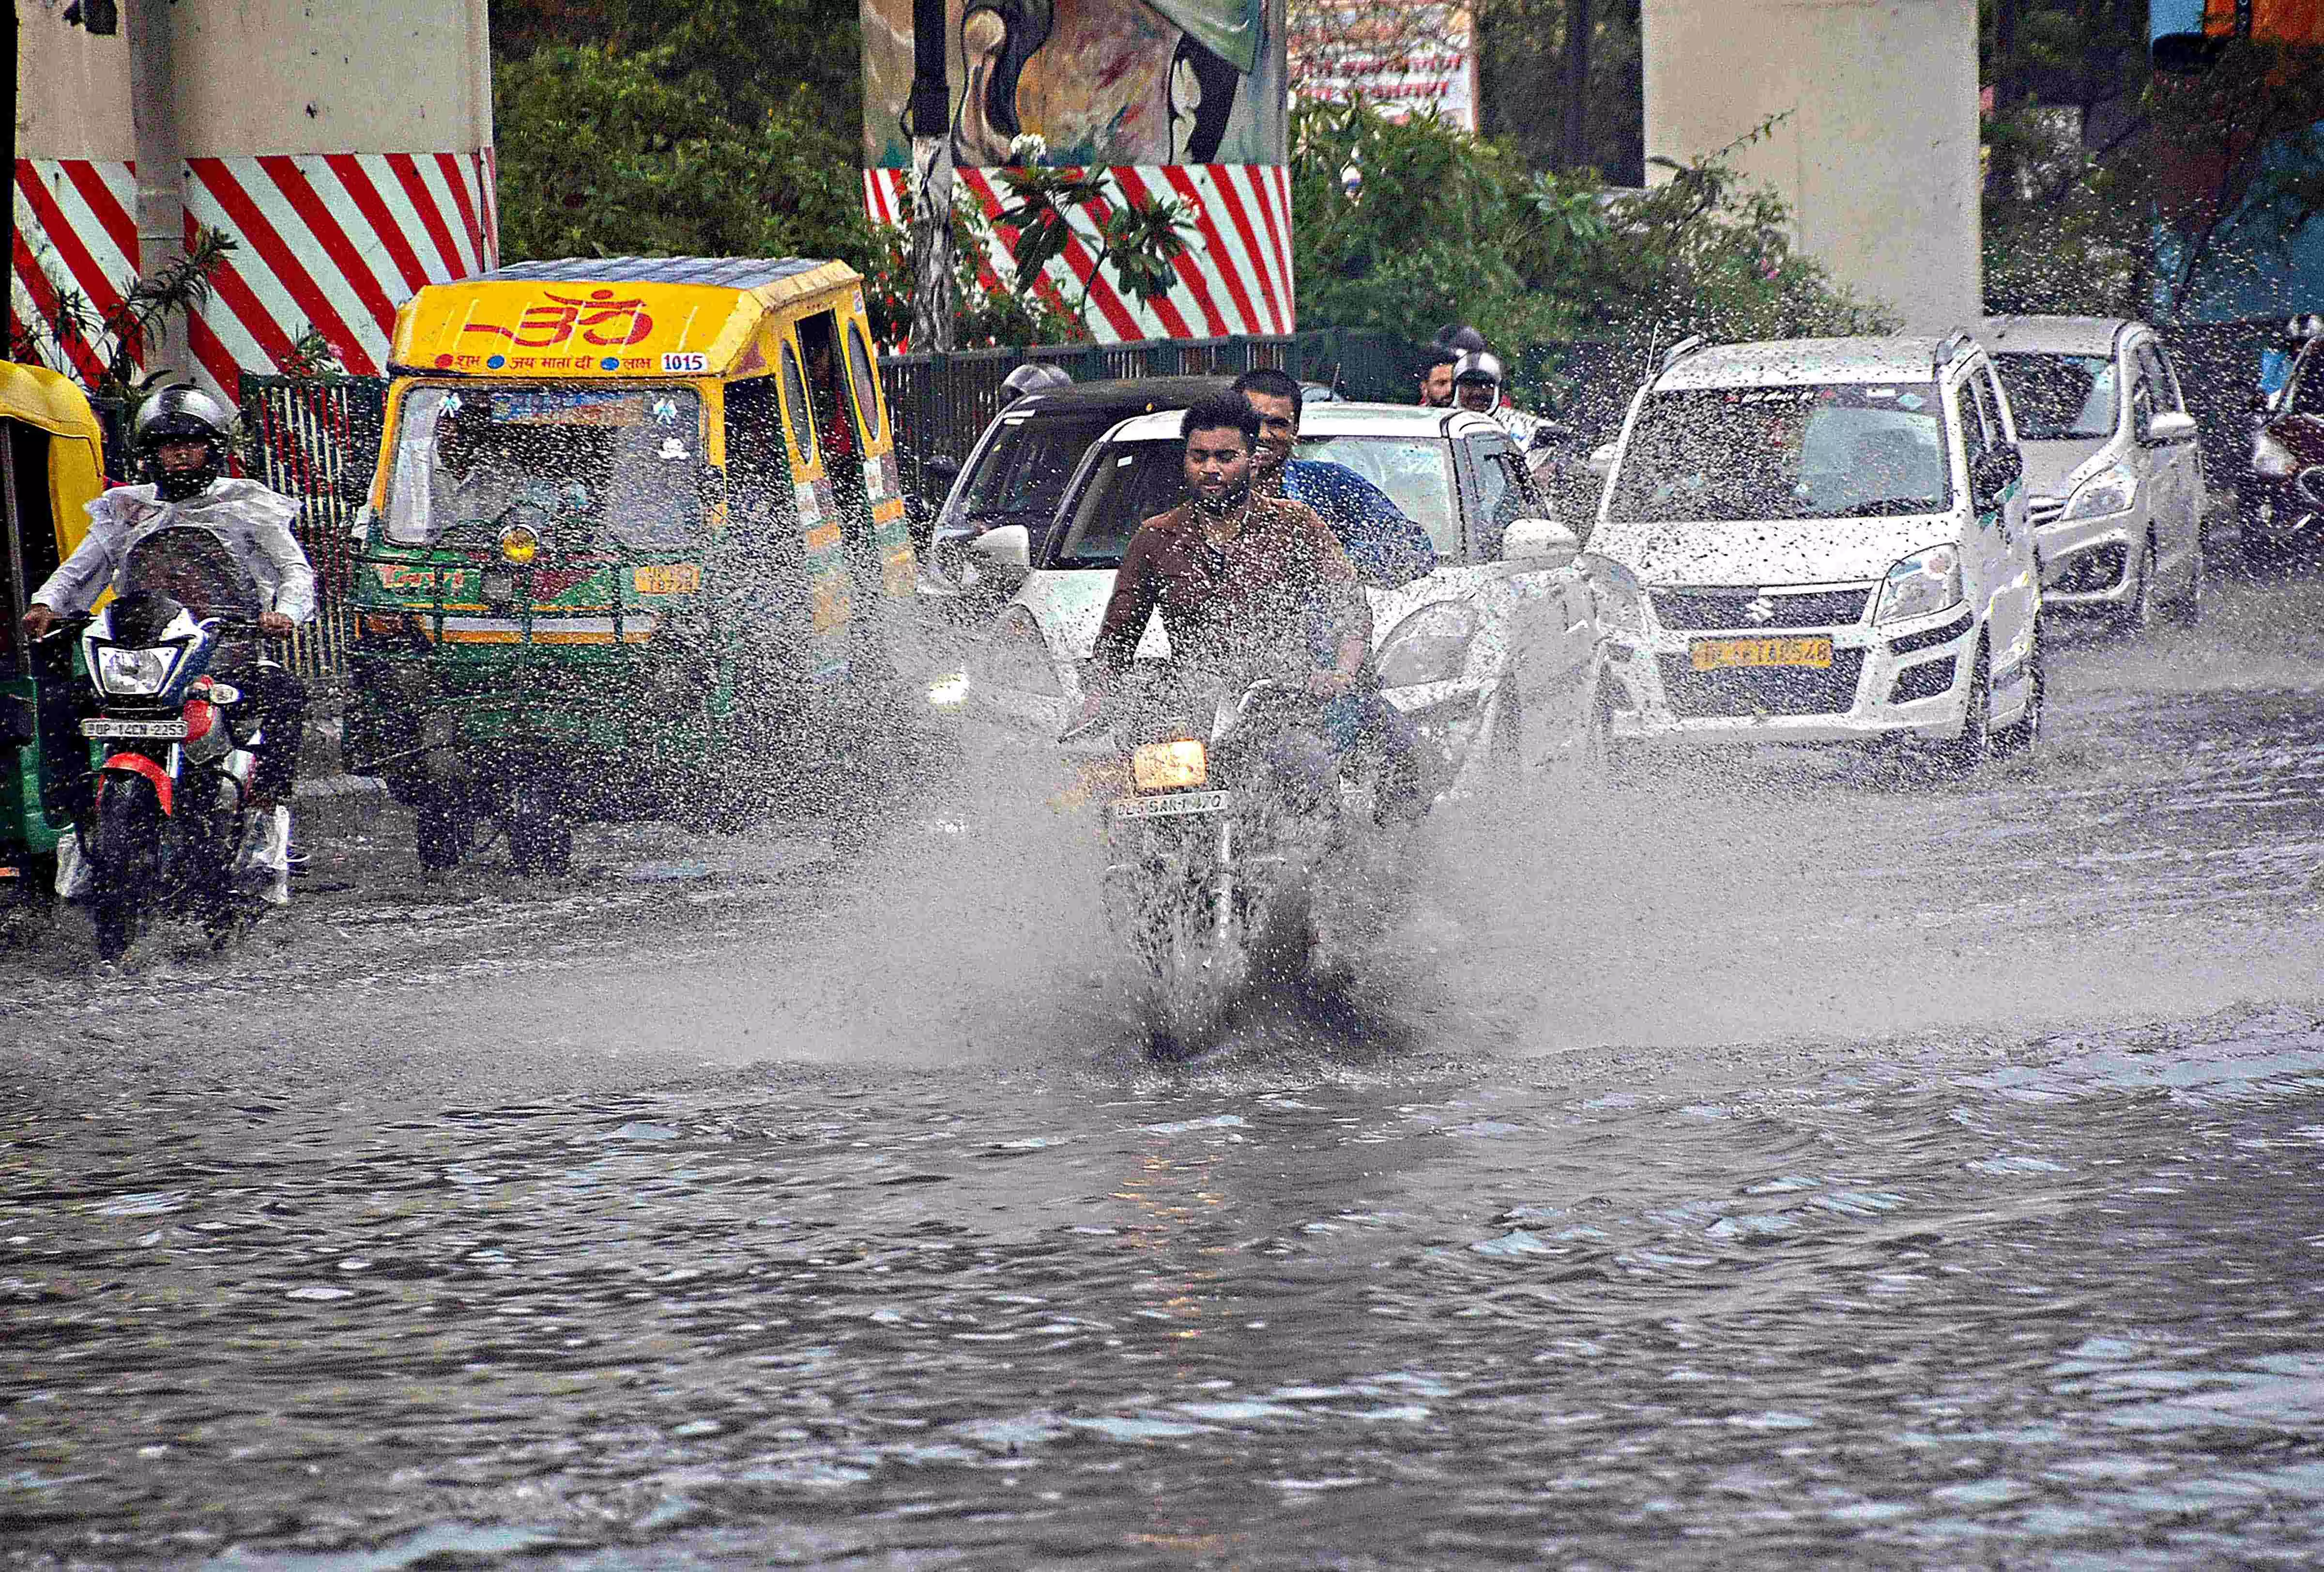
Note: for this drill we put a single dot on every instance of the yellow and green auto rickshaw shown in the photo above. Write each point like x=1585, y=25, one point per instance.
x=52, y=466
x=634, y=526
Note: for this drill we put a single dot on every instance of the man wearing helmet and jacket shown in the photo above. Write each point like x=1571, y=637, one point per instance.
x=180, y=439
x=1478, y=377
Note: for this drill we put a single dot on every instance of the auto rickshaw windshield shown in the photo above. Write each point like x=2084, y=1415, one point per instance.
x=619, y=467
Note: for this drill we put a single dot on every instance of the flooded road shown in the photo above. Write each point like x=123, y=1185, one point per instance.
x=1754, y=1168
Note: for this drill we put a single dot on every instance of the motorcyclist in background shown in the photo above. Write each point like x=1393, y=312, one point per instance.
x=1479, y=384
x=181, y=438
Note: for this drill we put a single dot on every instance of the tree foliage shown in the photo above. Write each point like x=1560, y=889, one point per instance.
x=1443, y=226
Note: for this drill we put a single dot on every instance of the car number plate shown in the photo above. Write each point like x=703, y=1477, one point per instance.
x=1715, y=654
x=173, y=730
x=1176, y=805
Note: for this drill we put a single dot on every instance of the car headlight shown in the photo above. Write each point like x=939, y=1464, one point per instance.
x=1927, y=581
x=2270, y=459
x=1431, y=646
x=1170, y=766
x=2111, y=490
x=134, y=673
x=1017, y=656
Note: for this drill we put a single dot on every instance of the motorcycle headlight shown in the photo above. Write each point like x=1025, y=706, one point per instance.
x=134, y=673
x=1927, y=581
x=1017, y=656
x=1431, y=646
x=2111, y=490
x=1170, y=766
x=2270, y=459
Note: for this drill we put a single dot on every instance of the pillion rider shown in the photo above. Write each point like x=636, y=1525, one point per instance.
x=1385, y=548
x=180, y=439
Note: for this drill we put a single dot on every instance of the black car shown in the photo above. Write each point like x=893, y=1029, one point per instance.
x=1017, y=471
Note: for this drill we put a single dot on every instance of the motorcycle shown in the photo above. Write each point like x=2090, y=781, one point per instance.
x=170, y=829
x=1237, y=819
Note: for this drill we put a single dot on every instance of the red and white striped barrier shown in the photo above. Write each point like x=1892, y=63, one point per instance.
x=335, y=242
x=1235, y=277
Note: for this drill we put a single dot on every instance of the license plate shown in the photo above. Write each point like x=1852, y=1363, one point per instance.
x=167, y=731
x=1713, y=655
x=668, y=578
x=1175, y=806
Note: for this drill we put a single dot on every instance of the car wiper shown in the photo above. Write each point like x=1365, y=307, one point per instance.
x=1883, y=507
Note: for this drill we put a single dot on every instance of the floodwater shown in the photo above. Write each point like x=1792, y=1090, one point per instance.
x=1758, y=1168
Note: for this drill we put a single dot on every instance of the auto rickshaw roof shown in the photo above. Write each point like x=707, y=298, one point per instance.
x=609, y=316
x=47, y=399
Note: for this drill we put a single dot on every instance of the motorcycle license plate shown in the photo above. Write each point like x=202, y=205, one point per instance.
x=1175, y=806
x=173, y=730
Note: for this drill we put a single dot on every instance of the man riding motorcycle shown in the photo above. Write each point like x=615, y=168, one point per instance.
x=180, y=439
x=1250, y=583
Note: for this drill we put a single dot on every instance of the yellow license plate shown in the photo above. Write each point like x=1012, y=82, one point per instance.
x=1713, y=655
x=668, y=578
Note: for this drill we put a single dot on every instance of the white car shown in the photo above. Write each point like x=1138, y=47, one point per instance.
x=1834, y=541
x=1499, y=652
x=2115, y=479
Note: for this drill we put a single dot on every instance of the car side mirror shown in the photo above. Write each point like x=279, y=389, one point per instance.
x=2169, y=429
x=1007, y=551
x=1991, y=475
x=1602, y=460
x=1527, y=539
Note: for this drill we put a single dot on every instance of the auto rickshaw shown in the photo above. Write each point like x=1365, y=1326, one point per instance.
x=627, y=552
x=52, y=466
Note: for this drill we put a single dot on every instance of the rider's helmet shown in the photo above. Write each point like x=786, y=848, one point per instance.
x=181, y=413
x=1034, y=376
x=1459, y=338
x=1477, y=378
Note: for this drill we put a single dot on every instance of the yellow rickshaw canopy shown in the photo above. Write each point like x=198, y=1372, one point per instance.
x=611, y=316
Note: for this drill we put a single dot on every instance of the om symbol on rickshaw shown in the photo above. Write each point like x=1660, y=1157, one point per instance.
x=623, y=322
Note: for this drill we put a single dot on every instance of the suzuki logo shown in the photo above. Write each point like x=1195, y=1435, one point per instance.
x=1759, y=609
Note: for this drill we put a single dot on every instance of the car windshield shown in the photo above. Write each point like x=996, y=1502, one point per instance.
x=1417, y=472
x=617, y=466
x=1130, y=484
x=2060, y=398
x=1020, y=477
x=1831, y=451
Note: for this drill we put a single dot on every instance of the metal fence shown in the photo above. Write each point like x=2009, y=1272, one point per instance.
x=318, y=442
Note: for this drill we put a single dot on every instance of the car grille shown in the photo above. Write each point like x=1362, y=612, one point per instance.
x=1686, y=610
x=1741, y=691
x=2044, y=510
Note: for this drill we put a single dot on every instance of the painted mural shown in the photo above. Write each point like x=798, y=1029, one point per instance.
x=1113, y=82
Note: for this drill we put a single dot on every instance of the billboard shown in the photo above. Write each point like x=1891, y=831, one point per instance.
x=1182, y=99
x=1402, y=56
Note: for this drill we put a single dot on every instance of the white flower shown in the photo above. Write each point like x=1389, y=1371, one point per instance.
x=1027, y=148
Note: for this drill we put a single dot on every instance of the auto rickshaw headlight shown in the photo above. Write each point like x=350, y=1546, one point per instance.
x=518, y=544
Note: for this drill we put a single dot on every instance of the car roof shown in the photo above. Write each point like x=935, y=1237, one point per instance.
x=1335, y=420
x=1120, y=397
x=2052, y=335
x=1798, y=361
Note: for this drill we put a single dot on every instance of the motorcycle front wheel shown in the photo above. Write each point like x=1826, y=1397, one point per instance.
x=125, y=861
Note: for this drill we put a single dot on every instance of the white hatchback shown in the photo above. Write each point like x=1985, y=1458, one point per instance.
x=1833, y=538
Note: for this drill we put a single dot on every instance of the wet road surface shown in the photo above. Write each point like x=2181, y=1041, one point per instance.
x=1757, y=1167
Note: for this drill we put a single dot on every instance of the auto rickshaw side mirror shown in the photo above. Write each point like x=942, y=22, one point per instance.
x=1007, y=550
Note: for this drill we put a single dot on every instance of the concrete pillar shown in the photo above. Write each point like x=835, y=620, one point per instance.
x=1877, y=152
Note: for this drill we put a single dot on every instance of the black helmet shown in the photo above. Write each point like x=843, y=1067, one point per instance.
x=1034, y=376
x=1460, y=338
x=1478, y=365
x=181, y=413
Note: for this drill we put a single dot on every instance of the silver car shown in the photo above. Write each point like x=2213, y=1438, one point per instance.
x=2115, y=479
